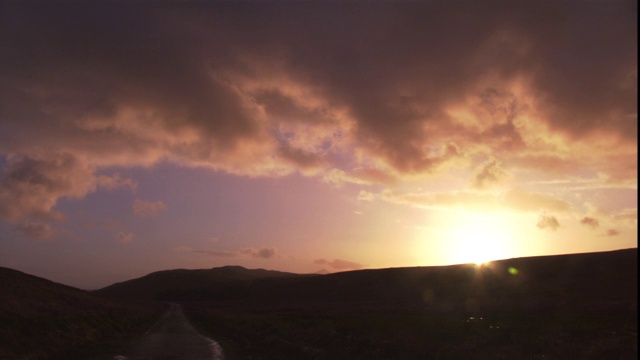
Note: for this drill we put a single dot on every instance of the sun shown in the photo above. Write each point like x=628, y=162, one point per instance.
x=479, y=237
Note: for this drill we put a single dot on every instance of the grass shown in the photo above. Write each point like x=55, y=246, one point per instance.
x=415, y=334
x=581, y=306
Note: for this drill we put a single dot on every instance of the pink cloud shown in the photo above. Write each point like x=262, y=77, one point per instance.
x=116, y=182
x=148, y=208
x=31, y=186
x=339, y=264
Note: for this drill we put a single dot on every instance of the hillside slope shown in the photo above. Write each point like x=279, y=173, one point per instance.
x=40, y=319
x=533, y=282
x=579, y=306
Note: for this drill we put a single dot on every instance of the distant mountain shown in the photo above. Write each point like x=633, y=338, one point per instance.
x=183, y=284
x=40, y=319
x=578, y=280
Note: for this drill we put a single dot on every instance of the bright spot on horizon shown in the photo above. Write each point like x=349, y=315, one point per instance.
x=479, y=238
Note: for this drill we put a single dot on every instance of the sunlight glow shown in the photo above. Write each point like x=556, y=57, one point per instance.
x=478, y=238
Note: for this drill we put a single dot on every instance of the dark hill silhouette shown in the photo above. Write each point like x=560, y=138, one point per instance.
x=189, y=284
x=578, y=306
x=41, y=319
x=592, y=280
x=572, y=281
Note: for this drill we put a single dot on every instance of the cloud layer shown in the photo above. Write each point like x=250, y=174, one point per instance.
x=352, y=93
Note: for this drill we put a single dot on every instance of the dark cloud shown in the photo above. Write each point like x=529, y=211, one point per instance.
x=589, y=221
x=353, y=92
x=548, y=221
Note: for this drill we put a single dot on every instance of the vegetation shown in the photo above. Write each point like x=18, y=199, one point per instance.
x=40, y=319
x=415, y=334
x=558, y=307
x=575, y=306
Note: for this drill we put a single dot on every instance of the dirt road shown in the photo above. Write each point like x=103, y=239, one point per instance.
x=173, y=338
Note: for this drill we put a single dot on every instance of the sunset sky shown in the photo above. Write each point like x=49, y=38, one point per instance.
x=307, y=136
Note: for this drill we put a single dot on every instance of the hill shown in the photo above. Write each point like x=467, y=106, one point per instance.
x=182, y=284
x=533, y=282
x=579, y=306
x=40, y=319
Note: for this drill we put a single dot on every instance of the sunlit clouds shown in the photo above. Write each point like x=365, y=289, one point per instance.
x=338, y=264
x=524, y=108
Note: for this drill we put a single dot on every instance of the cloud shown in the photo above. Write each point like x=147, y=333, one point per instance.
x=148, y=208
x=589, y=221
x=104, y=224
x=513, y=199
x=339, y=264
x=30, y=186
x=181, y=248
x=491, y=173
x=548, y=221
x=125, y=237
x=219, y=253
x=116, y=182
x=353, y=93
x=612, y=232
x=530, y=201
x=361, y=176
x=366, y=196
x=260, y=253
x=36, y=230
x=428, y=199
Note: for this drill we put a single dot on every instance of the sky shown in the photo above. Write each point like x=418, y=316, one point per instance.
x=313, y=136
